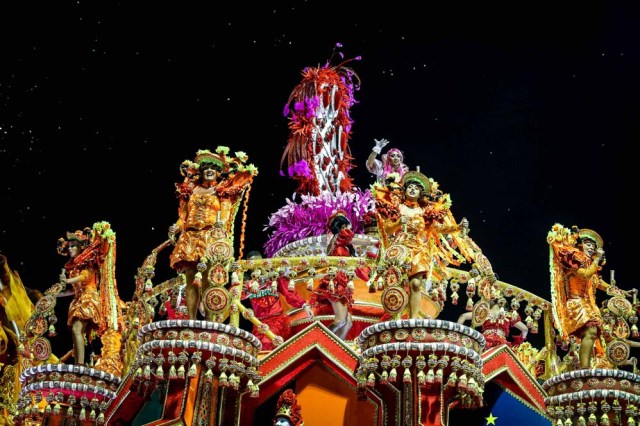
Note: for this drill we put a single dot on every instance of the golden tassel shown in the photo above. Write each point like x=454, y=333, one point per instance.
x=371, y=380
x=197, y=281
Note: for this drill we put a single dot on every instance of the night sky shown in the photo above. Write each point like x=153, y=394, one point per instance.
x=523, y=115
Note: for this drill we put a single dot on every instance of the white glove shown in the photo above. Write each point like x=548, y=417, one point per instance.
x=308, y=310
x=379, y=145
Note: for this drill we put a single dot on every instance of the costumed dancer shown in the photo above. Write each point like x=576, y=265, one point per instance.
x=96, y=308
x=411, y=219
x=81, y=272
x=497, y=326
x=391, y=165
x=576, y=259
x=336, y=288
x=213, y=188
x=266, y=304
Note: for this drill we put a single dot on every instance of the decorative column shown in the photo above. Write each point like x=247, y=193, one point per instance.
x=434, y=363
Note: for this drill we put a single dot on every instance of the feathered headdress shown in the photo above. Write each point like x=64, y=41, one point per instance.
x=81, y=237
x=228, y=166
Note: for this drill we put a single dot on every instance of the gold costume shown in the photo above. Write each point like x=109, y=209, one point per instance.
x=110, y=359
x=85, y=305
x=199, y=213
x=574, y=281
x=414, y=237
x=576, y=306
x=421, y=236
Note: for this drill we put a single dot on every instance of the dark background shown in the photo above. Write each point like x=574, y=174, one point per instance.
x=525, y=115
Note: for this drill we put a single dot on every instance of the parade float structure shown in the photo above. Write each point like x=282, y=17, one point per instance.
x=388, y=370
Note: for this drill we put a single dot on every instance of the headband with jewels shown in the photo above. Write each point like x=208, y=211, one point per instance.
x=416, y=177
x=288, y=408
x=592, y=235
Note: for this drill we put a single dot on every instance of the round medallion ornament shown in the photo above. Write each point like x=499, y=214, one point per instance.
x=621, y=329
x=577, y=384
x=467, y=342
x=394, y=299
x=396, y=254
x=619, y=306
x=371, y=342
x=452, y=336
x=439, y=334
x=419, y=334
x=45, y=304
x=392, y=276
x=593, y=382
x=480, y=313
x=216, y=300
x=238, y=343
x=220, y=250
x=224, y=340
x=26, y=363
x=618, y=351
x=218, y=233
x=386, y=336
x=484, y=266
x=401, y=334
x=39, y=326
x=187, y=335
x=218, y=276
x=41, y=349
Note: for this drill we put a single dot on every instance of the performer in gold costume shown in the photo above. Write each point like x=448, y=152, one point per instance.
x=213, y=188
x=81, y=271
x=577, y=257
x=96, y=308
x=414, y=221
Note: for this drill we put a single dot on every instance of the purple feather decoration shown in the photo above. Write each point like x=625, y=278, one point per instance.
x=301, y=168
x=295, y=221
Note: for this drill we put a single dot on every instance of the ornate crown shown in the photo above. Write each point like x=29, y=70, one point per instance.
x=81, y=237
x=288, y=408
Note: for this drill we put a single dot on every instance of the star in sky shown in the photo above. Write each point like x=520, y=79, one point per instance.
x=491, y=420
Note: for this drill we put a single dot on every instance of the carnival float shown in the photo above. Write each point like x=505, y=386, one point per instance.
x=336, y=322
